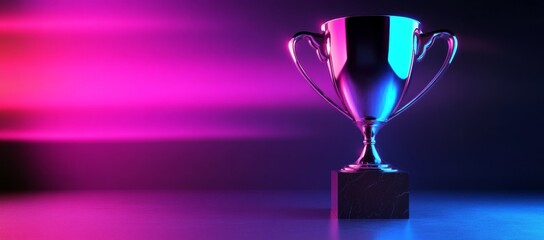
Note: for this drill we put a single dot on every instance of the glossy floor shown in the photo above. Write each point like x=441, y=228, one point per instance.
x=261, y=215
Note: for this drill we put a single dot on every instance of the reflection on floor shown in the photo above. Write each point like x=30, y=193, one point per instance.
x=261, y=215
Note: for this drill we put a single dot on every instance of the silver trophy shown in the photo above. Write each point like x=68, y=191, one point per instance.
x=370, y=61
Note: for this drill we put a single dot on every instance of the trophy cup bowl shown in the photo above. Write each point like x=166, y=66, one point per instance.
x=370, y=60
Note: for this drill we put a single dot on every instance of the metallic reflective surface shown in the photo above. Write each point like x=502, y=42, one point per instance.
x=370, y=59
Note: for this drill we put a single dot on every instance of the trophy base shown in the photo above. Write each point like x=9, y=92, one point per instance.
x=369, y=194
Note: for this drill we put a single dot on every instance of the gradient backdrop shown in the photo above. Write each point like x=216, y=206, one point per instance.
x=203, y=95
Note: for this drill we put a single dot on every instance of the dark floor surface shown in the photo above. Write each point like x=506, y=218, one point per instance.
x=262, y=215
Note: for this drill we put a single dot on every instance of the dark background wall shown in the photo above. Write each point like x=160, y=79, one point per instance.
x=478, y=128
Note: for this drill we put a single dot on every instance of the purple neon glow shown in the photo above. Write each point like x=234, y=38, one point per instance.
x=73, y=70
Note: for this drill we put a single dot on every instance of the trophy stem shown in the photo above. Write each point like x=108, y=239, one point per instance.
x=369, y=155
x=369, y=158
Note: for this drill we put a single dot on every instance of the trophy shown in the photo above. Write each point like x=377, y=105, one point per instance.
x=370, y=61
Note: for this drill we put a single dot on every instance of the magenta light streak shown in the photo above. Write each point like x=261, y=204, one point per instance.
x=33, y=25
x=136, y=83
x=105, y=124
x=126, y=59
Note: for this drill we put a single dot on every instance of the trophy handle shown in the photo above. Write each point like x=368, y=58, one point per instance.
x=427, y=41
x=315, y=40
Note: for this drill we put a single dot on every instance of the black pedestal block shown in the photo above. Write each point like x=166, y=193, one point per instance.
x=370, y=194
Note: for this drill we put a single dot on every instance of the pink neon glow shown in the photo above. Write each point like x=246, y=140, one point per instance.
x=138, y=123
x=74, y=70
x=74, y=25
